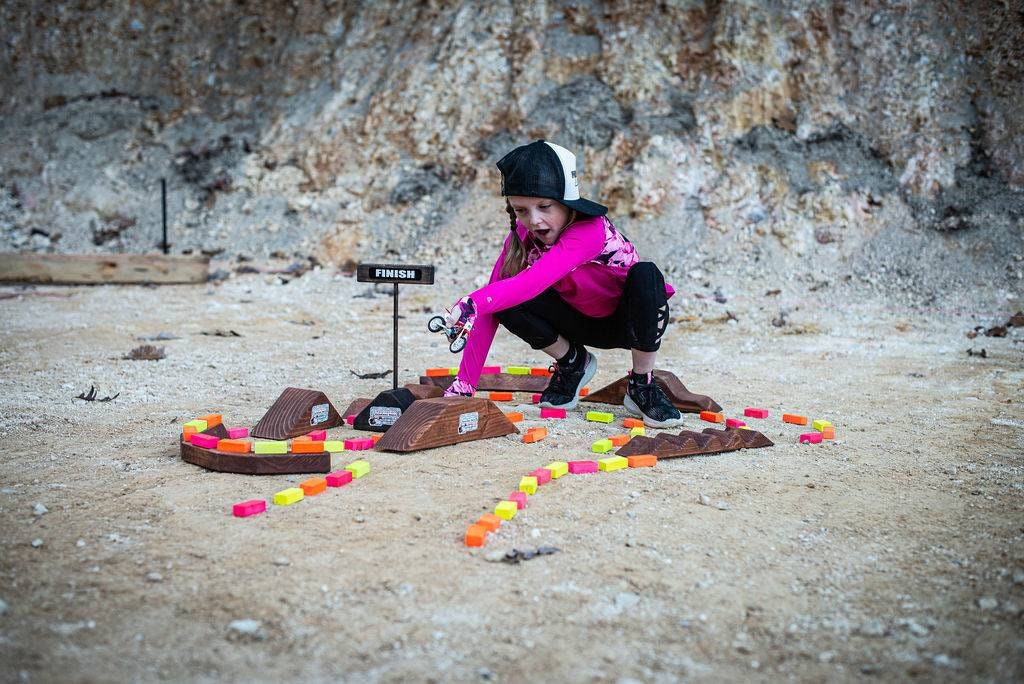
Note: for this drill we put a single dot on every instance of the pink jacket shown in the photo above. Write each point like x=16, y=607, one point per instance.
x=587, y=266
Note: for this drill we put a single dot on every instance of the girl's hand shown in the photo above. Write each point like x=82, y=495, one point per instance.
x=462, y=314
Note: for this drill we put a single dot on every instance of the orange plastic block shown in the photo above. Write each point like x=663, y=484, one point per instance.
x=499, y=396
x=234, y=446
x=187, y=432
x=313, y=486
x=632, y=423
x=585, y=391
x=514, y=417
x=535, y=435
x=540, y=371
x=619, y=440
x=712, y=417
x=794, y=419
x=211, y=420
x=376, y=438
x=489, y=521
x=642, y=461
x=828, y=432
x=476, y=535
x=302, y=438
x=438, y=372
x=307, y=447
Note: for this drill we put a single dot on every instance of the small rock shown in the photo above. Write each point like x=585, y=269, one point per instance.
x=3, y=607
x=40, y=510
x=872, y=628
x=359, y=519
x=722, y=506
x=80, y=543
x=282, y=561
x=1018, y=576
x=494, y=556
x=943, y=660
x=154, y=577
x=826, y=656
x=915, y=627
x=534, y=533
x=252, y=629
x=703, y=500
x=36, y=543
x=988, y=603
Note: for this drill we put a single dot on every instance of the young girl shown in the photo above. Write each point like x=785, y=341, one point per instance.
x=566, y=279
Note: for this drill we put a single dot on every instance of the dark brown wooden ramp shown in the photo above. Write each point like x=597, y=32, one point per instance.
x=682, y=398
x=356, y=407
x=690, y=443
x=424, y=391
x=430, y=423
x=496, y=382
x=255, y=464
x=296, y=412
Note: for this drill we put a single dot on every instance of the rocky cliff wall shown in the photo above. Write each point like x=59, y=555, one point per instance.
x=867, y=141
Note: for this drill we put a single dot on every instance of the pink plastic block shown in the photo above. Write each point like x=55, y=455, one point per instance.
x=238, y=433
x=535, y=399
x=351, y=419
x=339, y=478
x=317, y=435
x=810, y=438
x=247, y=508
x=519, y=498
x=552, y=413
x=580, y=467
x=358, y=444
x=543, y=475
x=491, y=369
x=734, y=423
x=205, y=441
x=755, y=412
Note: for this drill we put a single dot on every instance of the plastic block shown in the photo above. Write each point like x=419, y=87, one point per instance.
x=286, y=497
x=514, y=417
x=619, y=440
x=612, y=463
x=499, y=396
x=632, y=423
x=638, y=432
x=821, y=424
x=212, y=420
x=506, y=510
x=234, y=446
x=828, y=432
x=734, y=423
x=375, y=439
x=602, y=446
x=205, y=441
x=642, y=461
x=187, y=432
x=810, y=438
x=307, y=447
x=585, y=391
x=358, y=468
x=540, y=371
x=350, y=419
x=712, y=417
x=582, y=467
x=358, y=444
x=535, y=399
x=490, y=521
x=476, y=535
x=453, y=371
x=339, y=478
x=247, y=508
x=552, y=413
x=557, y=469
x=302, y=438
x=199, y=425
x=517, y=370
x=528, y=484
x=334, y=445
x=313, y=486
x=519, y=498
x=534, y=435
x=271, y=447
x=751, y=412
x=491, y=369
x=318, y=435
x=600, y=416
x=794, y=419
x=543, y=475
x=238, y=432
x=438, y=372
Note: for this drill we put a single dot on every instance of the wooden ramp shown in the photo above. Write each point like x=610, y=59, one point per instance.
x=255, y=464
x=296, y=412
x=682, y=398
x=690, y=443
x=431, y=423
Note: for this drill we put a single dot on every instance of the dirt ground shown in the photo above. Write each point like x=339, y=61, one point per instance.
x=894, y=551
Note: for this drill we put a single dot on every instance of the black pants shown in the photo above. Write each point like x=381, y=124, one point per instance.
x=638, y=322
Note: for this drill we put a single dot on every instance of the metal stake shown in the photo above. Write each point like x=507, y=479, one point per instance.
x=163, y=212
x=394, y=378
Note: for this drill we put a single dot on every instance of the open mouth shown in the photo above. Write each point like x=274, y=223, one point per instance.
x=542, y=233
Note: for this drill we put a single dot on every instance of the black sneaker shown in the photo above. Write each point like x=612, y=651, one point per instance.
x=566, y=382
x=645, y=398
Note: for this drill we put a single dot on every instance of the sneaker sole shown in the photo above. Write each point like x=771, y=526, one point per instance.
x=631, y=406
x=588, y=374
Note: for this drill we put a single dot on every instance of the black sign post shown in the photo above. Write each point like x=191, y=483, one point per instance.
x=395, y=273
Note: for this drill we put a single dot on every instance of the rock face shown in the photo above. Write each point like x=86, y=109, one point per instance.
x=865, y=134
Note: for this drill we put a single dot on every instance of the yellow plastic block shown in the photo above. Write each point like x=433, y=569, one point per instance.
x=600, y=416
x=602, y=446
x=358, y=468
x=286, y=497
x=506, y=510
x=818, y=425
x=517, y=370
x=333, y=445
x=557, y=468
x=270, y=447
x=454, y=370
x=199, y=425
x=528, y=484
x=612, y=463
x=637, y=432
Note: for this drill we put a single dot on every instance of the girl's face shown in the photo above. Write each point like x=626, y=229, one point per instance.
x=544, y=218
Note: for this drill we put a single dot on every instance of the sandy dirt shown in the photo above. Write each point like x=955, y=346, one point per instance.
x=894, y=551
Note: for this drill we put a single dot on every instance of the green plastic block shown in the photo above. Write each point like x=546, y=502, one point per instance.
x=286, y=497
x=358, y=468
x=818, y=425
x=612, y=463
x=517, y=370
x=334, y=445
x=506, y=510
x=199, y=425
x=602, y=446
x=600, y=416
x=270, y=447
x=528, y=484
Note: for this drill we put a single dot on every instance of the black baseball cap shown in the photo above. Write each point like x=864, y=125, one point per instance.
x=543, y=169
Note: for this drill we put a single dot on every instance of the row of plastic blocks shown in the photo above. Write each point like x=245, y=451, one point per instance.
x=310, y=487
x=442, y=372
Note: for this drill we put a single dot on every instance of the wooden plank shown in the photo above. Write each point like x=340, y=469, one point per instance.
x=425, y=391
x=94, y=269
x=682, y=398
x=296, y=412
x=498, y=382
x=430, y=423
x=255, y=464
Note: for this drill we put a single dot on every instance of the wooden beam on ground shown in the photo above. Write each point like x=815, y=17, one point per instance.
x=96, y=269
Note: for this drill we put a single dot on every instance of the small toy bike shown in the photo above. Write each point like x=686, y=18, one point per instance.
x=457, y=325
